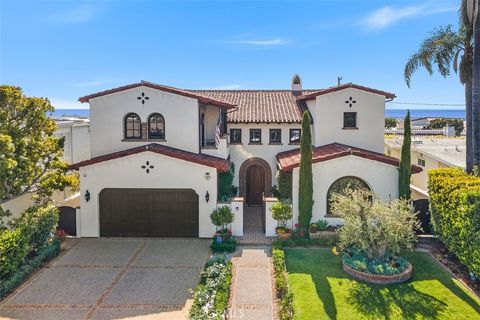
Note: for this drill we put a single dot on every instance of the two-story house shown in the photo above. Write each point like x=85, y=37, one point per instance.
x=155, y=157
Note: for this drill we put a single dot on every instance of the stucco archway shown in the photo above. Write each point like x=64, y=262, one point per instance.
x=242, y=175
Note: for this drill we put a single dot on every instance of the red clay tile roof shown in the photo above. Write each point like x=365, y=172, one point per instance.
x=312, y=95
x=220, y=164
x=260, y=106
x=152, y=85
x=288, y=160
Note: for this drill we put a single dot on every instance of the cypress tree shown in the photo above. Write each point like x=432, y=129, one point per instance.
x=405, y=168
x=305, y=191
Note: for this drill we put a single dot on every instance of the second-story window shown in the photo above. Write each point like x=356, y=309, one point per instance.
x=350, y=120
x=275, y=136
x=156, y=126
x=235, y=135
x=421, y=162
x=133, y=126
x=295, y=135
x=256, y=136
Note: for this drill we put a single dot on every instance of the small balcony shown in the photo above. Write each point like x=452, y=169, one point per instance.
x=209, y=147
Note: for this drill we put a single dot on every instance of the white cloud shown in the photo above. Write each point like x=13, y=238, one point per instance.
x=88, y=84
x=388, y=15
x=81, y=13
x=269, y=42
x=68, y=104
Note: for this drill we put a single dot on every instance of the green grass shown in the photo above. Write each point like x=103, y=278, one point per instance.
x=321, y=290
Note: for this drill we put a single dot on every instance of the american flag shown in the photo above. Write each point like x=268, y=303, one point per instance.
x=218, y=128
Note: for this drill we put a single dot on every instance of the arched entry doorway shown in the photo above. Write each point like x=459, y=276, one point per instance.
x=255, y=180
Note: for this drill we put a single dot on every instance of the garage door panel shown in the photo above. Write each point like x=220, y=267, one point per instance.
x=149, y=212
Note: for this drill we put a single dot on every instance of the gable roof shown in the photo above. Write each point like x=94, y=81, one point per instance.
x=220, y=164
x=312, y=95
x=152, y=85
x=290, y=159
x=260, y=106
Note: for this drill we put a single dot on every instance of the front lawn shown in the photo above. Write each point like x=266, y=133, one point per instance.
x=321, y=290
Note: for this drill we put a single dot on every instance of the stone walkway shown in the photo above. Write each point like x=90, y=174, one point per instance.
x=252, y=289
x=252, y=227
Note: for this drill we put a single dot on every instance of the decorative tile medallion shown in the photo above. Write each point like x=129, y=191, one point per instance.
x=350, y=102
x=143, y=98
x=147, y=166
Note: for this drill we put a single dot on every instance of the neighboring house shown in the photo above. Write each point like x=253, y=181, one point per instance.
x=429, y=153
x=76, y=148
x=154, y=164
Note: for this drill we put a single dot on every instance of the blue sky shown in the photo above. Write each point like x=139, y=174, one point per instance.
x=65, y=49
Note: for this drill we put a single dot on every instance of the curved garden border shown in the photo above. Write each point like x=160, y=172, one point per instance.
x=378, y=278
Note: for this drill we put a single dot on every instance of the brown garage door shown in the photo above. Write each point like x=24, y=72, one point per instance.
x=148, y=213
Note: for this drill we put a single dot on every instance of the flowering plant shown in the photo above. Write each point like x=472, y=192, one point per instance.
x=61, y=234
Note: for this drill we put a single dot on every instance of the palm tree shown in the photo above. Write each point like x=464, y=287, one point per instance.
x=476, y=81
x=446, y=48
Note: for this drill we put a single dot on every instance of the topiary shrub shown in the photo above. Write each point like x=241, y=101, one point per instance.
x=455, y=213
x=222, y=217
x=282, y=212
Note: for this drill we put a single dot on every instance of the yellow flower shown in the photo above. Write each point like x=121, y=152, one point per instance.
x=334, y=251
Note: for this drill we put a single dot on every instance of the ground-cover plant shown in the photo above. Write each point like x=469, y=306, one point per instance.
x=283, y=293
x=282, y=213
x=210, y=299
x=322, y=290
x=372, y=225
x=387, y=265
x=455, y=212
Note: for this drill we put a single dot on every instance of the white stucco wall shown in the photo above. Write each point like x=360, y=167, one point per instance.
x=126, y=172
x=382, y=179
x=107, y=113
x=241, y=152
x=77, y=140
x=327, y=113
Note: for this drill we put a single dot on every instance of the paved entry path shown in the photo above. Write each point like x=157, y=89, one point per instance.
x=252, y=292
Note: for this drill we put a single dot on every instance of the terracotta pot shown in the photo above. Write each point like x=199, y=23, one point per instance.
x=284, y=236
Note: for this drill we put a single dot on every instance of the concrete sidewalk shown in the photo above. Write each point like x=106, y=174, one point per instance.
x=252, y=293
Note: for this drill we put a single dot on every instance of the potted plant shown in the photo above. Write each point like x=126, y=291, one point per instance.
x=62, y=236
x=313, y=228
x=222, y=217
x=282, y=212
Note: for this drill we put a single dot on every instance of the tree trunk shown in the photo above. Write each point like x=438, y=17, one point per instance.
x=469, y=126
x=476, y=91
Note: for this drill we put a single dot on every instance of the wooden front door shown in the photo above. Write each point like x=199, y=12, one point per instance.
x=148, y=213
x=255, y=185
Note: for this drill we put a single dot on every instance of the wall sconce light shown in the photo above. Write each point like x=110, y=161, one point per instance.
x=236, y=208
x=87, y=196
x=207, y=175
x=207, y=196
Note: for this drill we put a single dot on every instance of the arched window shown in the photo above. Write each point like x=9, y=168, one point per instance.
x=133, y=126
x=156, y=126
x=343, y=184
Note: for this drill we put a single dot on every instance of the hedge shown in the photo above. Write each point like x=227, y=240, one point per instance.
x=44, y=254
x=228, y=245
x=455, y=213
x=13, y=251
x=284, y=296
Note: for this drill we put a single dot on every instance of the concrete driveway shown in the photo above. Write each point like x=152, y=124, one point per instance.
x=113, y=279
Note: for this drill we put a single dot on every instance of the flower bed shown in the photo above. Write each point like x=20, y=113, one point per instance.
x=389, y=269
x=284, y=296
x=210, y=300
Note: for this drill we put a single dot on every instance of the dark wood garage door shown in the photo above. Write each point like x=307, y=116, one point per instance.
x=148, y=213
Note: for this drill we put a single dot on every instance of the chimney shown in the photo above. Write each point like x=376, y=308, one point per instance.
x=296, y=84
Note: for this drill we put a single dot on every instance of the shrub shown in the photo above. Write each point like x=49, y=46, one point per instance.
x=322, y=225
x=387, y=265
x=210, y=299
x=14, y=249
x=226, y=189
x=44, y=254
x=373, y=225
x=284, y=296
x=455, y=212
x=283, y=189
x=222, y=217
x=38, y=224
x=281, y=212
x=228, y=245
x=390, y=123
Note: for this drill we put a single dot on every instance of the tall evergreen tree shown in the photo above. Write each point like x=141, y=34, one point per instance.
x=305, y=190
x=476, y=81
x=405, y=168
